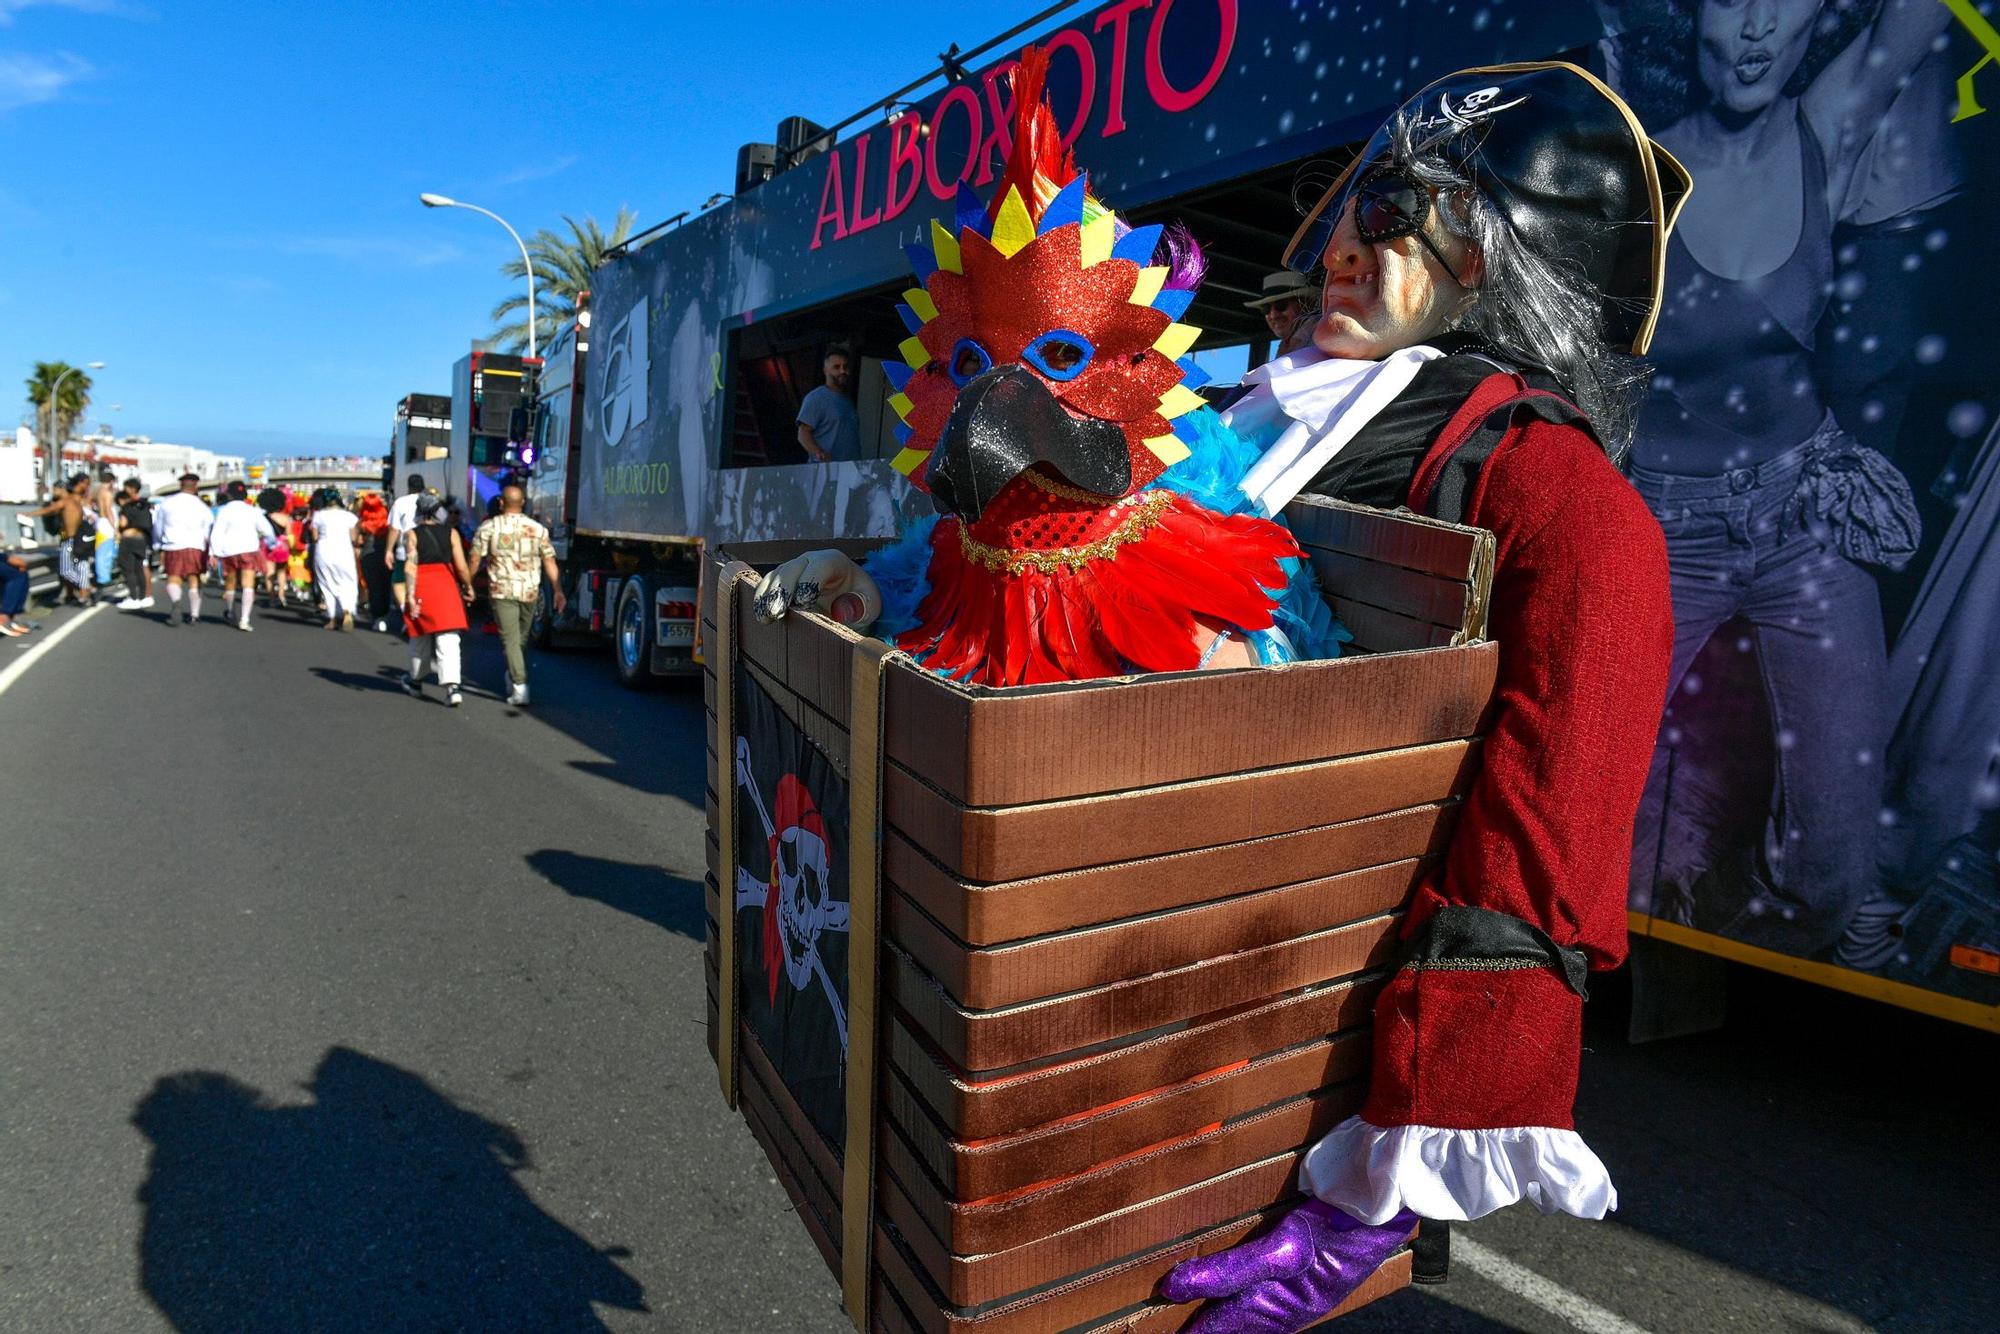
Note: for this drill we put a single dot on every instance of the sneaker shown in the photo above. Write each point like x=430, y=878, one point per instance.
x=518, y=695
x=381, y=627
x=452, y=698
x=143, y=603
x=411, y=686
x=128, y=604
x=244, y=626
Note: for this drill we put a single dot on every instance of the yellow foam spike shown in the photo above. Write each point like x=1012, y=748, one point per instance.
x=919, y=300
x=1149, y=285
x=1013, y=229
x=1179, y=401
x=1174, y=343
x=901, y=403
x=909, y=460
x=1097, y=239
x=1168, y=449
x=913, y=352
x=945, y=246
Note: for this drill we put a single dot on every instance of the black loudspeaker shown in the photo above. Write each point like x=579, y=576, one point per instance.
x=497, y=405
x=799, y=139
x=755, y=164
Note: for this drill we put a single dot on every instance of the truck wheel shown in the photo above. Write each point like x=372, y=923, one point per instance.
x=632, y=633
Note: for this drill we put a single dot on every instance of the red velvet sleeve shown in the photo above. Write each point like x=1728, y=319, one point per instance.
x=1582, y=615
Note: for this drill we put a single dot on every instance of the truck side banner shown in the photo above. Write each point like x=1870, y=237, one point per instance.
x=1818, y=439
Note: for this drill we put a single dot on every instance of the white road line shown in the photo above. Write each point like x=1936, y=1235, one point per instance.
x=17, y=668
x=1531, y=1287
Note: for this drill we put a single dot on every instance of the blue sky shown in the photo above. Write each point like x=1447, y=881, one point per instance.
x=218, y=200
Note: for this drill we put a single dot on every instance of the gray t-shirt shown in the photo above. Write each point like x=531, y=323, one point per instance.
x=834, y=423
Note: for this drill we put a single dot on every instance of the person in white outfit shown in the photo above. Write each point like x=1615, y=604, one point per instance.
x=237, y=543
x=181, y=525
x=336, y=537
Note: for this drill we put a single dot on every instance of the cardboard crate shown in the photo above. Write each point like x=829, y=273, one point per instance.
x=1065, y=979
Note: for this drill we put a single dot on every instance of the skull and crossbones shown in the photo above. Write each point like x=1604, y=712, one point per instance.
x=796, y=897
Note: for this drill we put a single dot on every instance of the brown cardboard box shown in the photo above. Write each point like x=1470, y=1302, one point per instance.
x=1034, y=993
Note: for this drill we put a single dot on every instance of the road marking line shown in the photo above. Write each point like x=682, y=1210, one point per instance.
x=20, y=665
x=1531, y=1287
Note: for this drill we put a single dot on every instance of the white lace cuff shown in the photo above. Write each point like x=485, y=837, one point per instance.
x=1373, y=1171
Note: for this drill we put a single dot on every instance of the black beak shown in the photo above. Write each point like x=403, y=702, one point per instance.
x=1005, y=422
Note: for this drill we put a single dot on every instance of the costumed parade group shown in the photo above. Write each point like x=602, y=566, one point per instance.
x=1492, y=264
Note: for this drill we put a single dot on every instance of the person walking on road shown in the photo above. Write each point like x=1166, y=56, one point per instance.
x=373, y=512
x=135, y=545
x=76, y=557
x=335, y=541
x=517, y=555
x=237, y=542
x=181, y=525
x=13, y=596
x=437, y=586
x=104, y=549
x=402, y=522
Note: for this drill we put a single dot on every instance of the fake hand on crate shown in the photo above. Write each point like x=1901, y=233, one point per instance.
x=822, y=581
x=1291, y=1277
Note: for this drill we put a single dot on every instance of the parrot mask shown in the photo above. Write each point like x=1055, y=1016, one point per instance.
x=1044, y=389
x=1044, y=344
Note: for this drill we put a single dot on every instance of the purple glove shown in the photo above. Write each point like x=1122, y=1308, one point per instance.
x=1289, y=1278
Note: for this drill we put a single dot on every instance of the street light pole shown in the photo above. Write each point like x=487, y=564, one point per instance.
x=55, y=445
x=440, y=201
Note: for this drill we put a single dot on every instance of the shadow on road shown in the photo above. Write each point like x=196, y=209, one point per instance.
x=382, y=678
x=646, y=892
x=378, y=1205
x=1830, y=1145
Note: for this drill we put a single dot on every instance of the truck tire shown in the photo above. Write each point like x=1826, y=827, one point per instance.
x=632, y=633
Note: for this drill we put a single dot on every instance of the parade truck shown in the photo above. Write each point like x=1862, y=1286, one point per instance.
x=492, y=416
x=630, y=573
x=422, y=434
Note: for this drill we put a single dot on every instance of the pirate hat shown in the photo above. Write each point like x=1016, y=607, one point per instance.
x=1565, y=162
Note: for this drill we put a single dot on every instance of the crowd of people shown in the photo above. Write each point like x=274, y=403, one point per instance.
x=417, y=560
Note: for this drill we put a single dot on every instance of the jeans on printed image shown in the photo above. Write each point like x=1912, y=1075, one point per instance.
x=1750, y=544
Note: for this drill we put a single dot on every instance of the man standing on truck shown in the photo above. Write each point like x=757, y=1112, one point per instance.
x=517, y=555
x=829, y=428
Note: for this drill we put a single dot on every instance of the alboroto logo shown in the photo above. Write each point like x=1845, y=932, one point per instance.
x=626, y=383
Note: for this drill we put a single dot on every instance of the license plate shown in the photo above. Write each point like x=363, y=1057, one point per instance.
x=677, y=632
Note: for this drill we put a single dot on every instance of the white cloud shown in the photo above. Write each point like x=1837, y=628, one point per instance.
x=377, y=251
x=9, y=8
x=27, y=80
x=536, y=171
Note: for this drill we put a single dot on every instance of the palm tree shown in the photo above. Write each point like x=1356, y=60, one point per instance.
x=72, y=400
x=562, y=272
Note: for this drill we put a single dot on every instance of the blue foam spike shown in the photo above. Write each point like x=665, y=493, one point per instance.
x=1173, y=301
x=1066, y=207
x=1185, y=429
x=899, y=374
x=903, y=433
x=1193, y=376
x=923, y=262
x=971, y=210
x=1138, y=245
x=910, y=320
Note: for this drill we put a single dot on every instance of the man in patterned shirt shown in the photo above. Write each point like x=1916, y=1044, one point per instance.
x=516, y=554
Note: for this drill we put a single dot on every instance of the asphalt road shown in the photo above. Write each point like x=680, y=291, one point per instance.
x=323, y=1008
